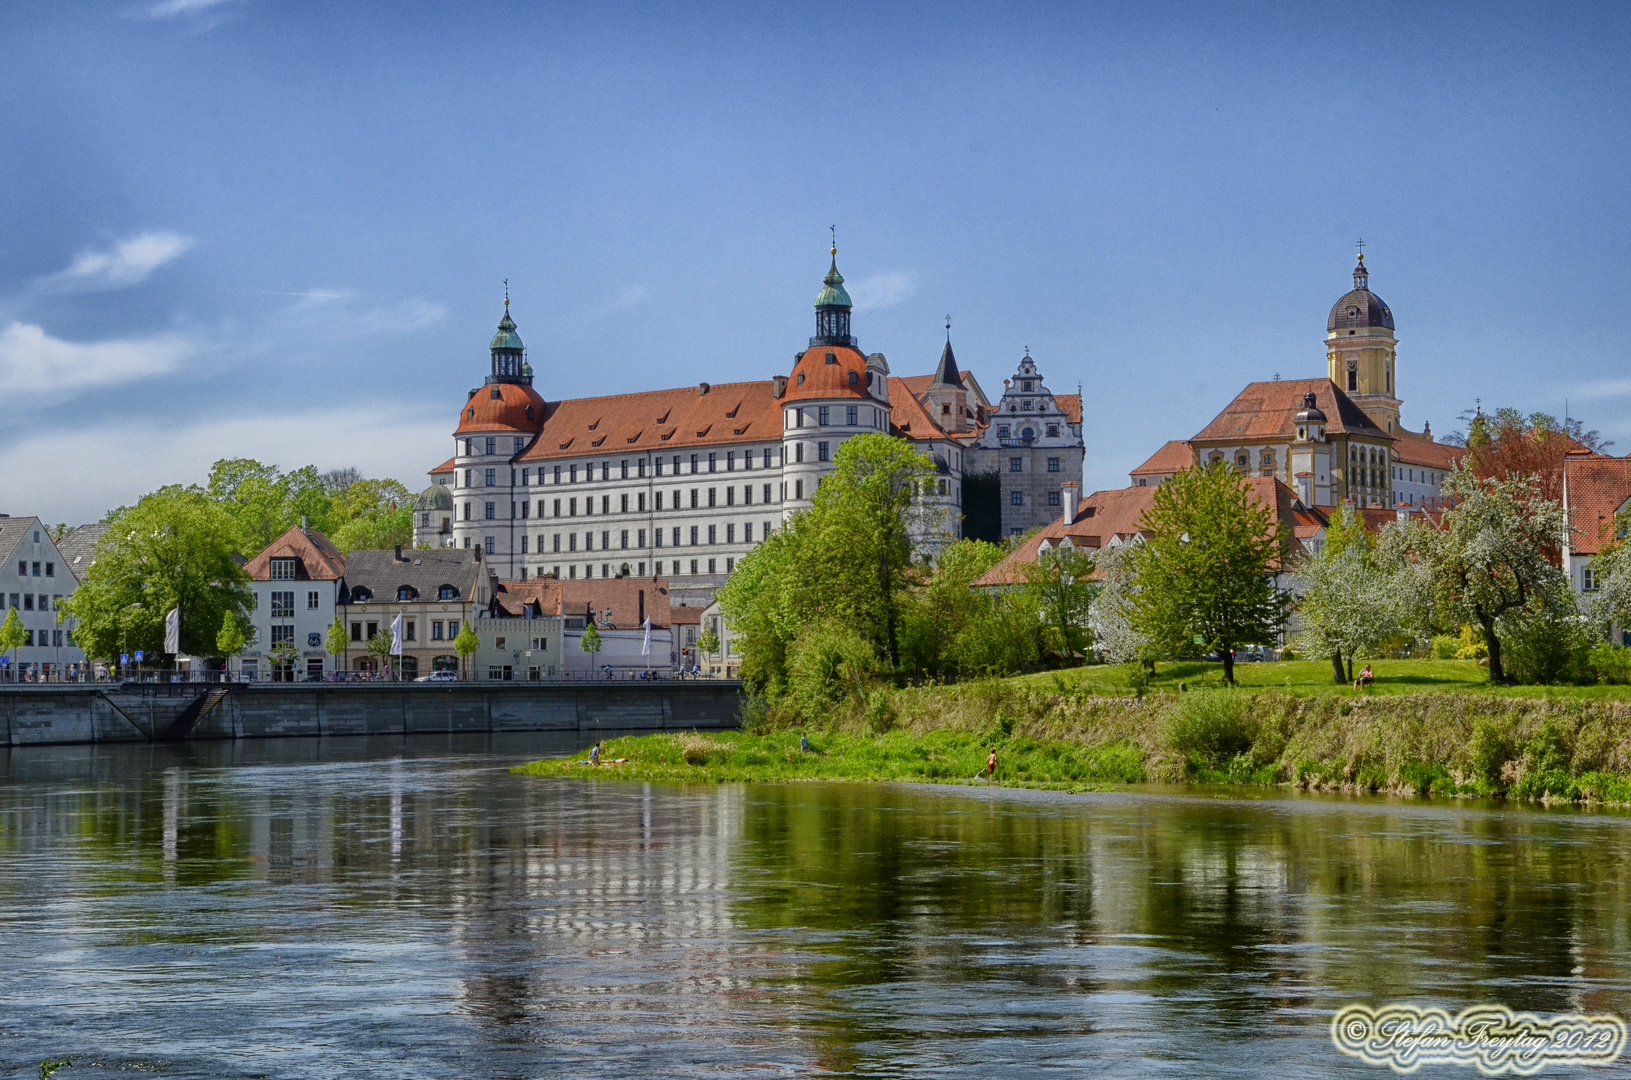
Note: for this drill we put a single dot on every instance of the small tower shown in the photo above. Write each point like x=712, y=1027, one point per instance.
x=1310, y=462
x=947, y=395
x=1359, y=349
x=833, y=306
x=509, y=354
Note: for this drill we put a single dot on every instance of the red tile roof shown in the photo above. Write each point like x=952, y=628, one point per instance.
x=1596, y=487
x=1175, y=457
x=1264, y=410
x=659, y=420
x=1414, y=449
x=908, y=414
x=317, y=557
x=574, y=596
x=444, y=469
x=814, y=377
x=501, y=407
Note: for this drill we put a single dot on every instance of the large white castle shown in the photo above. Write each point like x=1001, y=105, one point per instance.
x=680, y=484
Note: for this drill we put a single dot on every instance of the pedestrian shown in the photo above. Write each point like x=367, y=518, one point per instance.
x=804, y=743
x=594, y=755
x=991, y=765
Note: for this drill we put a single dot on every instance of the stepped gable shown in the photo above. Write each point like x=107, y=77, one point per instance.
x=1264, y=411
x=1598, y=488
x=658, y=420
x=317, y=559
x=1175, y=457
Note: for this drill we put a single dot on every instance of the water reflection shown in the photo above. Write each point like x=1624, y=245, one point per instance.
x=393, y=907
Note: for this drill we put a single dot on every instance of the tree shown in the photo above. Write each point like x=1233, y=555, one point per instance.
x=937, y=635
x=283, y=656
x=337, y=643
x=11, y=634
x=1061, y=578
x=1204, y=573
x=232, y=637
x=264, y=502
x=1509, y=445
x=1349, y=604
x=173, y=547
x=851, y=558
x=371, y=514
x=707, y=641
x=379, y=647
x=590, y=642
x=1485, y=559
x=466, y=644
x=1109, y=614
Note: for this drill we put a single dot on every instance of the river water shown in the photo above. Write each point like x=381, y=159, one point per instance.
x=409, y=908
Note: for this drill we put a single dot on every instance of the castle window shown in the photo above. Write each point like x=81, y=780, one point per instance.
x=1016, y=464
x=492, y=443
x=520, y=443
x=1053, y=431
x=1016, y=498
x=1053, y=464
x=851, y=415
x=1002, y=431
x=1053, y=498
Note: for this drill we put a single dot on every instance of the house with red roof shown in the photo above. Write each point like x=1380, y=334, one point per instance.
x=1597, y=501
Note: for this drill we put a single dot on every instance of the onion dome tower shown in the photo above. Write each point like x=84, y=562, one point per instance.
x=1359, y=349
x=833, y=306
x=509, y=354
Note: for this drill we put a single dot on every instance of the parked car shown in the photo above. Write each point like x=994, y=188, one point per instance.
x=439, y=676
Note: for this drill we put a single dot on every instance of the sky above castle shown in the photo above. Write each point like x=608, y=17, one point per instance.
x=281, y=230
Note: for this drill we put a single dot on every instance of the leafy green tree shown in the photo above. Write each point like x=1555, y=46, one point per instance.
x=707, y=641
x=11, y=634
x=1485, y=560
x=173, y=547
x=379, y=647
x=852, y=557
x=1061, y=577
x=1349, y=605
x=337, y=643
x=284, y=655
x=938, y=637
x=371, y=515
x=1204, y=572
x=265, y=502
x=466, y=644
x=233, y=636
x=590, y=641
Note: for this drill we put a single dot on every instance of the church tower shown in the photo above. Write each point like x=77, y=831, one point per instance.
x=1359, y=349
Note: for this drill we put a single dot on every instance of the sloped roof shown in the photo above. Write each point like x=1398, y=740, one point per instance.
x=14, y=531
x=1175, y=457
x=1264, y=410
x=575, y=596
x=501, y=407
x=78, y=548
x=814, y=377
x=382, y=573
x=318, y=558
x=1597, y=487
x=444, y=469
x=1072, y=406
x=909, y=416
x=945, y=372
x=658, y=420
x=1414, y=449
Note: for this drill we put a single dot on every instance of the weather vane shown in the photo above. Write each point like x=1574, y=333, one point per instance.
x=948, y=326
x=1361, y=244
x=834, y=230
x=506, y=292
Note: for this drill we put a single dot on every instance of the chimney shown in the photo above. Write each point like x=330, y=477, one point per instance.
x=702, y=388
x=399, y=553
x=778, y=386
x=1069, y=498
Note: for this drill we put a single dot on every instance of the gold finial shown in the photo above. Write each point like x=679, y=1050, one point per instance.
x=506, y=294
x=834, y=230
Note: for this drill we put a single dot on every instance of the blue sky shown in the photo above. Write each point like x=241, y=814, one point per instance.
x=280, y=229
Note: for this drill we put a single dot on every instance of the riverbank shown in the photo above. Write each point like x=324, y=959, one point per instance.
x=1057, y=733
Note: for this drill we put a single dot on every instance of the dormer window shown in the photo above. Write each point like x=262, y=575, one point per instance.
x=283, y=570
x=361, y=595
x=447, y=592
x=405, y=593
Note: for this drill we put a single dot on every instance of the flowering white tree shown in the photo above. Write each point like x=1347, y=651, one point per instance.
x=1114, y=638
x=1349, y=605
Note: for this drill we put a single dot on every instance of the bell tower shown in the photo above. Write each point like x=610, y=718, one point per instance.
x=1360, y=351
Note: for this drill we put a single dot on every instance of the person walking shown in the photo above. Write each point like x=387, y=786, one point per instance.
x=991, y=765
x=594, y=754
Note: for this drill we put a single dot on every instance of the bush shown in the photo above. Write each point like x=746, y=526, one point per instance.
x=1210, y=727
x=1610, y=663
x=1490, y=750
x=1546, y=647
x=829, y=662
x=1445, y=646
x=1471, y=645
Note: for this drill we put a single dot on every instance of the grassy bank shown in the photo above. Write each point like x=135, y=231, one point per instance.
x=1063, y=730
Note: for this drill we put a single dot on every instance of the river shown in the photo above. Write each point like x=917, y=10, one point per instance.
x=409, y=908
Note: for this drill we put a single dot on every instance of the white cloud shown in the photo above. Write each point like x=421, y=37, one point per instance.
x=130, y=262
x=35, y=364
x=108, y=465
x=173, y=9
x=1607, y=388
x=881, y=291
x=401, y=317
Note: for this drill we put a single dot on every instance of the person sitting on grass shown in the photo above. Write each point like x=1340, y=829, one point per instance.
x=1366, y=677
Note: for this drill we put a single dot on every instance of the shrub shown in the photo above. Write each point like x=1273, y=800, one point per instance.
x=1610, y=663
x=1491, y=748
x=1445, y=646
x=829, y=662
x=1546, y=647
x=1471, y=645
x=1209, y=727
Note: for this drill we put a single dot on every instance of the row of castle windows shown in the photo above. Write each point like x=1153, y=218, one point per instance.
x=794, y=418
x=698, y=534
x=625, y=505
x=568, y=474
x=606, y=569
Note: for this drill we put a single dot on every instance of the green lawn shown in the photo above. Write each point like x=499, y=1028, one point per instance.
x=1311, y=677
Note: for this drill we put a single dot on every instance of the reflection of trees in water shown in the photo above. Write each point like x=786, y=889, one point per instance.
x=1223, y=915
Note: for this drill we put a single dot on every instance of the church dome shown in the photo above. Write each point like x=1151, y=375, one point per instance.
x=1359, y=309
x=435, y=497
x=502, y=406
x=1310, y=413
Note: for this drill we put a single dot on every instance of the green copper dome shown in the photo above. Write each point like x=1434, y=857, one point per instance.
x=832, y=293
x=506, y=338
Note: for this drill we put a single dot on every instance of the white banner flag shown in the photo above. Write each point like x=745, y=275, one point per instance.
x=396, y=635
x=645, y=649
x=172, y=631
